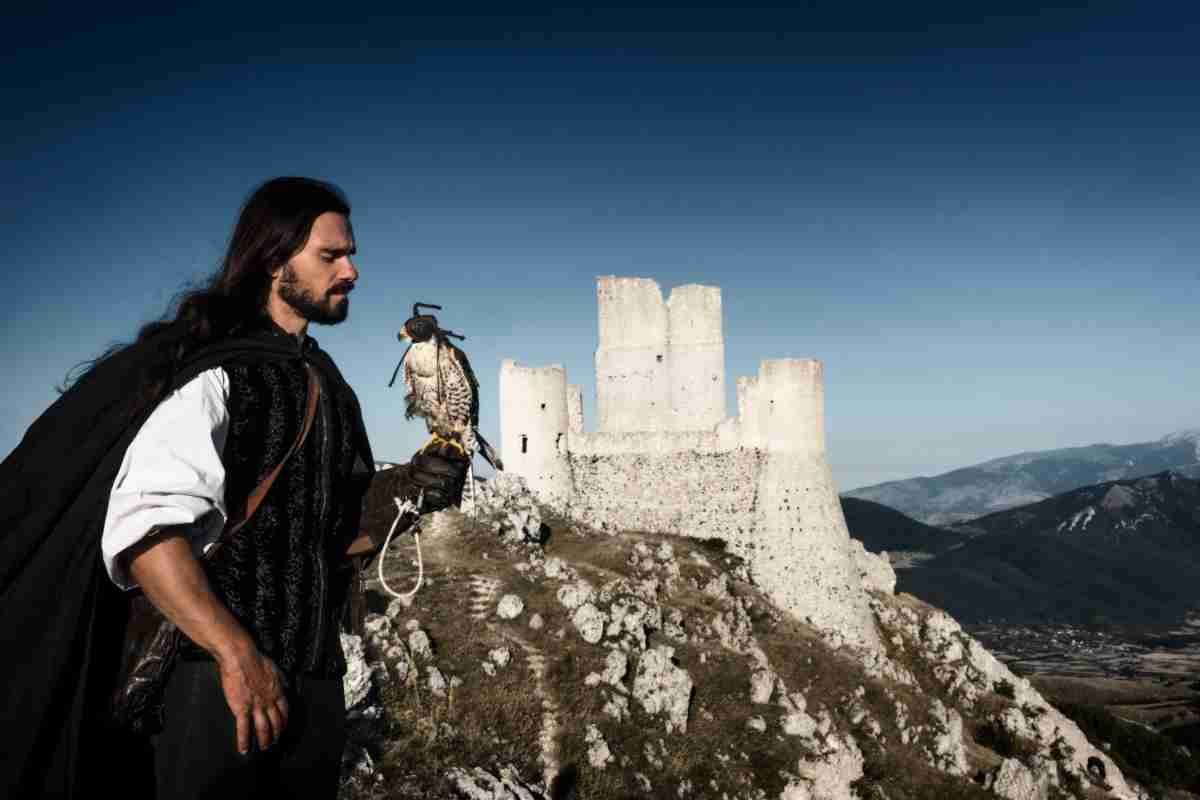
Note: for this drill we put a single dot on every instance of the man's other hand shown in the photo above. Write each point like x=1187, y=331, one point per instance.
x=441, y=471
x=254, y=690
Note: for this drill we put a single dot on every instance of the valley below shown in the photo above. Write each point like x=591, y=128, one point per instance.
x=1128, y=651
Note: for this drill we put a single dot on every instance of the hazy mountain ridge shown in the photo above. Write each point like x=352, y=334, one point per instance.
x=1119, y=551
x=1025, y=478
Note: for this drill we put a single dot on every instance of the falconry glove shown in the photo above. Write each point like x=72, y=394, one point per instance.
x=441, y=471
x=440, y=475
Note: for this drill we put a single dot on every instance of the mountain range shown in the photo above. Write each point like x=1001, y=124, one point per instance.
x=1123, y=551
x=1025, y=478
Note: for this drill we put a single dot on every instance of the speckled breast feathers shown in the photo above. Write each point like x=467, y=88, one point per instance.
x=443, y=390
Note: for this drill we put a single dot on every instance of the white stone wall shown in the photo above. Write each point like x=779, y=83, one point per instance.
x=660, y=492
x=534, y=426
x=695, y=357
x=574, y=409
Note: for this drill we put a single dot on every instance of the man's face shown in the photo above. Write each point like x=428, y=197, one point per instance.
x=316, y=282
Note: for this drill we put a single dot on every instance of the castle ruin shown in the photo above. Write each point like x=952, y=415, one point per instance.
x=665, y=457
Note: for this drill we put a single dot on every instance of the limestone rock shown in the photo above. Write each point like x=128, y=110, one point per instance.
x=615, y=667
x=574, y=595
x=356, y=683
x=1015, y=781
x=633, y=617
x=510, y=607
x=617, y=707
x=827, y=778
x=660, y=686
x=673, y=626
x=762, y=683
x=800, y=724
x=436, y=681
x=598, y=754
x=420, y=645
x=875, y=571
x=377, y=625
x=949, y=751
x=479, y=784
x=506, y=503
x=403, y=669
x=589, y=621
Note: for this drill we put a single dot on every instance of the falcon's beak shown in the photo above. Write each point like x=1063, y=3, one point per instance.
x=403, y=335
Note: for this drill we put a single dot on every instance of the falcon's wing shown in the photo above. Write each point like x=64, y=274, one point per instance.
x=461, y=359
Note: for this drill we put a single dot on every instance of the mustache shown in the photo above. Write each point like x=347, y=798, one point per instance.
x=345, y=287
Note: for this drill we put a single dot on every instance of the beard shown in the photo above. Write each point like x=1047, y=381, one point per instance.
x=331, y=309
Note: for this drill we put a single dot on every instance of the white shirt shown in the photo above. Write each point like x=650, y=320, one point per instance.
x=172, y=473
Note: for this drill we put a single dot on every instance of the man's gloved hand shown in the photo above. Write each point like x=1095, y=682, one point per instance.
x=441, y=471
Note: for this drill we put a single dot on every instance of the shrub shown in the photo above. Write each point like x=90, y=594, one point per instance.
x=994, y=736
x=1005, y=688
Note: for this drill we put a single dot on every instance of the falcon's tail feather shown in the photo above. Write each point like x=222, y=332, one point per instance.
x=488, y=452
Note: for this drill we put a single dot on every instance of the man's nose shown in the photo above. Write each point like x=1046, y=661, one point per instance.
x=352, y=272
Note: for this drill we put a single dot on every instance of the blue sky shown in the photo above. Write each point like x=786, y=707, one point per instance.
x=983, y=223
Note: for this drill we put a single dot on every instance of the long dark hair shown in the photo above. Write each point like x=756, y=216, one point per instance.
x=274, y=223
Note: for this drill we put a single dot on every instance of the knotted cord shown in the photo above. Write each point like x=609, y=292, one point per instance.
x=403, y=507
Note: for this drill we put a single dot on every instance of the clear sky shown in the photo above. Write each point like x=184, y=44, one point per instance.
x=984, y=223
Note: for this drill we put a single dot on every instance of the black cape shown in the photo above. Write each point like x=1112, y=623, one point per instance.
x=60, y=616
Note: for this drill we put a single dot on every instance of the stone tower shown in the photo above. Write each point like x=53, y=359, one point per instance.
x=534, y=425
x=659, y=366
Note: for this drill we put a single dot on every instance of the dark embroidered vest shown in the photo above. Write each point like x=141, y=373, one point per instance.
x=284, y=575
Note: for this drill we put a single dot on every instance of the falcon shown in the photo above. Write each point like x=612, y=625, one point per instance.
x=441, y=386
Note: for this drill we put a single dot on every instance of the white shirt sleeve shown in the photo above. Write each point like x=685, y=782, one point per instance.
x=172, y=473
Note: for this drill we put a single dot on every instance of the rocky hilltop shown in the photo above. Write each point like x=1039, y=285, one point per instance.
x=541, y=659
x=1025, y=478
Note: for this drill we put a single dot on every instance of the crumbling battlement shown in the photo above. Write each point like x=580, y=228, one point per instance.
x=666, y=459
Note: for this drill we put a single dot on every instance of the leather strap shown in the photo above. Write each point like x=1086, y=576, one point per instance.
x=235, y=523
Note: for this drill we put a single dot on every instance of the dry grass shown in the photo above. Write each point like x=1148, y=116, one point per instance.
x=898, y=773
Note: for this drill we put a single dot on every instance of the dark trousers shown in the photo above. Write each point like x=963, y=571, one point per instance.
x=196, y=753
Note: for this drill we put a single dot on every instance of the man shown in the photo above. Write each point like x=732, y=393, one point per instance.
x=177, y=430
